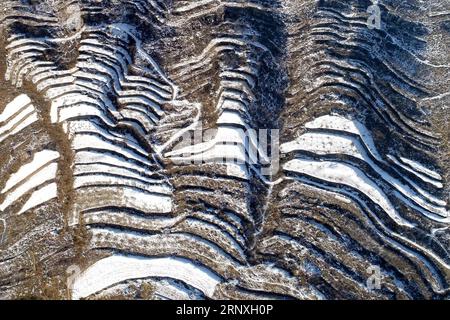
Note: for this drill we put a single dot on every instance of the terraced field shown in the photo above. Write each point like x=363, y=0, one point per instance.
x=224, y=149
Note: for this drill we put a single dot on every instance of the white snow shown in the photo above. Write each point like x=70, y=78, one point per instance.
x=39, y=159
x=331, y=143
x=28, y=120
x=172, y=291
x=149, y=222
x=104, y=168
x=239, y=75
x=194, y=5
x=95, y=179
x=14, y=106
x=231, y=100
x=39, y=197
x=147, y=122
x=423, y=177
x=229, y=142
x=37, y=179
x=98, y=50
x=208, y=227
x=150, y=202
x=324, y=143
x=347, y=175
x=83, y=141
x=339, y=123
x=143, y=98
x=343, y=141
x=109, y=271
x=80, y=110
x=122, y=29
x=107, y=158
x=230, y=117
x=56, y=81
x=129, y=197
x=237, y=170
x=421, y=168
x=84, y=126
x=16, y=116
x=217, y=45
x=16, y=119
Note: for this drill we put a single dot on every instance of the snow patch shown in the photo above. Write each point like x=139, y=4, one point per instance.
x=347, y=175
x=39, y=159
x=118, y=268
x=40, y=197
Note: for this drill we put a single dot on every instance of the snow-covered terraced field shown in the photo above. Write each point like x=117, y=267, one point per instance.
x=16, y=116
x=226, y=149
